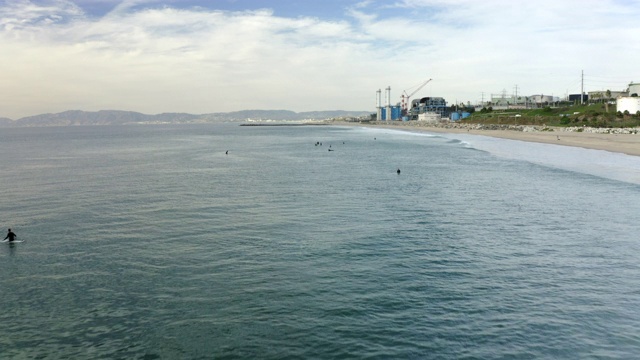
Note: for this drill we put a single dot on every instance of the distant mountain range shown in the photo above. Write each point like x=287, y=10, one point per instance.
x=117, y=117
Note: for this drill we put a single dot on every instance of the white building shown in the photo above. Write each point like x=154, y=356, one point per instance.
x=601, y=95
x=508, y=100
x=634, y=88
x=630, y=104
x=429, y=117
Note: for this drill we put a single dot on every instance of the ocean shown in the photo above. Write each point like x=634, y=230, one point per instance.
x=152, y=242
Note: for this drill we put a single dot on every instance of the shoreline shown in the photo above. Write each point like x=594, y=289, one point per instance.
x=619, y=141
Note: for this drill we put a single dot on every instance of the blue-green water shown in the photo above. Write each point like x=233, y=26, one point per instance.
x=149, y=242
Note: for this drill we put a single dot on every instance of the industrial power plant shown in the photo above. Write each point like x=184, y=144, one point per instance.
x=434, y=109
x=429, y=109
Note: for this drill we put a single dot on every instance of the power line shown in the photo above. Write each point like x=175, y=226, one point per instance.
x=609, y=78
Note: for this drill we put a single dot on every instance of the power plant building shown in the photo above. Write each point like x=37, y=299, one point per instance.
x=428, y=105
x=431, y=107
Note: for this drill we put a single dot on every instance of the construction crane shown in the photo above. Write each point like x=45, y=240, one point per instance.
x=406, y=97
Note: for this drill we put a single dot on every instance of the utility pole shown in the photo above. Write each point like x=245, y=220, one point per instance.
x=582, y=89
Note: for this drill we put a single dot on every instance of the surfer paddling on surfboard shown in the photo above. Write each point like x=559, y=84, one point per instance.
x=11, y=236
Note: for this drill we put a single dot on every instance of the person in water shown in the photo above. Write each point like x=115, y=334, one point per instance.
x=11, y=236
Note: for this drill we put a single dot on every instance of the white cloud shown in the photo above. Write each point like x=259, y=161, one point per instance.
x=164, y=59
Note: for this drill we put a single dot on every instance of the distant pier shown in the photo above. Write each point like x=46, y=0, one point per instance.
x=284, y=124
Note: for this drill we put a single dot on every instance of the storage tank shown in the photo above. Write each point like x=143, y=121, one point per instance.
x=395, y=112
x=630, y=104
x=455, y=116
x=634, y=88
x=541, y=99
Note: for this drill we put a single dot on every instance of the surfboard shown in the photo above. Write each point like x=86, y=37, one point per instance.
x=12, y=242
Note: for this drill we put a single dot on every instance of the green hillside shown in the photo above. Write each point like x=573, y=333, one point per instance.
x=593, y=115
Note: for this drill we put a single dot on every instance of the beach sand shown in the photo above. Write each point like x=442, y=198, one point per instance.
x=621, y=143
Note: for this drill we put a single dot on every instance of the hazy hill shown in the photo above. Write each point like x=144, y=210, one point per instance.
x=118, y=117
x=77, y=117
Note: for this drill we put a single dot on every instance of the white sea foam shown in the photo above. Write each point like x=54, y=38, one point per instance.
x=605, y=164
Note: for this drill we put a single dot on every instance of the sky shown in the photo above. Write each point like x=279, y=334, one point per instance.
x=200, y=57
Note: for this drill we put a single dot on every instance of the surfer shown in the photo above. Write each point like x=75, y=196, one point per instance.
x=398, y=171
x=11, y=236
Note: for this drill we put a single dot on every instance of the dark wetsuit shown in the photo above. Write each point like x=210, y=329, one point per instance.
x=11, y=236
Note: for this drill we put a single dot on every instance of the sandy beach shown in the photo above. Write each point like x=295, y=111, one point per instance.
x=614, y=142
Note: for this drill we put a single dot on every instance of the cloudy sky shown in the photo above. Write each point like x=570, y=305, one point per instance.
x=156, y=56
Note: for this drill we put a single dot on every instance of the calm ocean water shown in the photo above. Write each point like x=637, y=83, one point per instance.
x=149, y=242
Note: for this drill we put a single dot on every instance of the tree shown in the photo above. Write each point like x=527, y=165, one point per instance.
x=596, y=96
x=606, y=104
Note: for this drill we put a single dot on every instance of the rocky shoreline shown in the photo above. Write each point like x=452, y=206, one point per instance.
x=500, y=127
